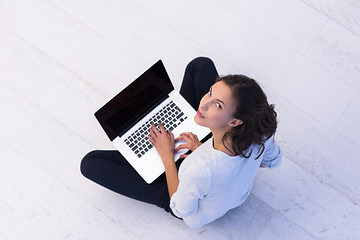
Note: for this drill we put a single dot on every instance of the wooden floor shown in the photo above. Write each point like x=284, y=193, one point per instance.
x=61, y=60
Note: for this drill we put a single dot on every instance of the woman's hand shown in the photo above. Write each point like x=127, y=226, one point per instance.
x=163, y=141
x=192, y=142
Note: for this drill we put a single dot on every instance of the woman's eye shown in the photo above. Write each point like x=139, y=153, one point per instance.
x=210, y=92
x=218, y=105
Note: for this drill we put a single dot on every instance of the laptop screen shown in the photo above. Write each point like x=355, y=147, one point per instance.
x=135, y=101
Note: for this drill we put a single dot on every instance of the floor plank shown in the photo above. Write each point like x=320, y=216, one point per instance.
x=346, y=12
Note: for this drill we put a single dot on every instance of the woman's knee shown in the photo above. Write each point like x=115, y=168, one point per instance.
x=89, y=163
x=199, y=62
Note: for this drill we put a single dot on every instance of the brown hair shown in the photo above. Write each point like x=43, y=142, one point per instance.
x=259, y=118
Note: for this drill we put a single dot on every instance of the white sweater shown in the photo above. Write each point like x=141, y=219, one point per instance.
x=212, y=182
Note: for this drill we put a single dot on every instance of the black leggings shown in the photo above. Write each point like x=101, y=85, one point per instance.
x=110, y=169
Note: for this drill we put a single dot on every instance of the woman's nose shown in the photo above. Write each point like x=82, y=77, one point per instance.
x=205, y=106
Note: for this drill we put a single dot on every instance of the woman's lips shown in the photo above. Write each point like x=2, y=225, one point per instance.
x=199, y=114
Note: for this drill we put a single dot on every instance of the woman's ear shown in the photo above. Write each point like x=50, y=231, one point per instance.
x=236, y=122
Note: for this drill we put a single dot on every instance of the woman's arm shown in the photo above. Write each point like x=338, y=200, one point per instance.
x=164, y=143
x=171, y=173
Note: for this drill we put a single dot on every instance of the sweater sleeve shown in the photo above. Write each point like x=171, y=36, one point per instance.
x=272, y=154
x=194, y=183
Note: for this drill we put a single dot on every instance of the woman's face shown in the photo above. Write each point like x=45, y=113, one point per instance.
x=217, y=107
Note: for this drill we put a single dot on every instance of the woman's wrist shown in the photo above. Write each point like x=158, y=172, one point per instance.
x=168, y=161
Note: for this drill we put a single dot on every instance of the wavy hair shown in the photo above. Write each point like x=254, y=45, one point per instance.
x=258, y=116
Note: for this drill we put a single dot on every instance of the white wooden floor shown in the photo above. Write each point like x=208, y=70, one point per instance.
x=60, y=60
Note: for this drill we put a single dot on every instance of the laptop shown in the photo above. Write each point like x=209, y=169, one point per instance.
x=126, y=119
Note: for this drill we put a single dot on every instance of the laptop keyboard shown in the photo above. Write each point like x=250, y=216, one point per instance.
x=170, y=116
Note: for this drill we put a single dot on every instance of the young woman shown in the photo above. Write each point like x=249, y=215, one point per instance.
x=218, y=175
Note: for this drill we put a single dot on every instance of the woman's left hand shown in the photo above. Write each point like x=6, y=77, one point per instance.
x=163, y=141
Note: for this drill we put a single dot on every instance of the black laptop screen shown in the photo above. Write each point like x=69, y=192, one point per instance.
x=135, y=101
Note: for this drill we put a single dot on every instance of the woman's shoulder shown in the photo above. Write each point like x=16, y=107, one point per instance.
x=199, y=160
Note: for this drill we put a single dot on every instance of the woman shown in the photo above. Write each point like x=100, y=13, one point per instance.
x=218, y=175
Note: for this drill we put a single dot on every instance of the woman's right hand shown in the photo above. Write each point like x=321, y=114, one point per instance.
x=192, y=142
